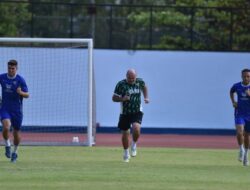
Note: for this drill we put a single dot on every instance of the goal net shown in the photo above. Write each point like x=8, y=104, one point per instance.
x=59, y=75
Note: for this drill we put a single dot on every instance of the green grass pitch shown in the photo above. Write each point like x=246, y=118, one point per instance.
x=96, y=168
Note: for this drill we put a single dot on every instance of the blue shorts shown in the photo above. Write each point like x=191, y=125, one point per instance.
x=243, y=121
x=247, y=126
x=15, y=117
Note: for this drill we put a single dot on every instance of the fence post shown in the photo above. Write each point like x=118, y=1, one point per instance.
x=151, y=28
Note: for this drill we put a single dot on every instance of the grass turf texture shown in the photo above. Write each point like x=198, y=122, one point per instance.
x=64, y=168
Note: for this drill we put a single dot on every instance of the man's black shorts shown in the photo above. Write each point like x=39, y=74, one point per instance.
x=125, y=121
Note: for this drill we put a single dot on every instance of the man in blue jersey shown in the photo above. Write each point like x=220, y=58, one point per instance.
x=242, y=113
x=14, y=89
x=128, y=93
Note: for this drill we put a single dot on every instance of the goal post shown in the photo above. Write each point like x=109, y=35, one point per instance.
x=70, y=55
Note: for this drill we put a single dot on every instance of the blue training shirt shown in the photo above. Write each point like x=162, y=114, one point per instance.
x=243, y=101
x=11, y=100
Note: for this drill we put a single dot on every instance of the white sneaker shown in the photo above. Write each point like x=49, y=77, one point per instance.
x=126, y=158
x=241, y=155
x=133, y=152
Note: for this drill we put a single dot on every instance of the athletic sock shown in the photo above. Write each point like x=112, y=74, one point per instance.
x=242, y=147
x=7, y=142
x=126, y=152
x=133, y=146
x=246, y=150
x=15, y=148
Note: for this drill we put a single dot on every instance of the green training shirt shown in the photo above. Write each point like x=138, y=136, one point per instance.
x=134, y=91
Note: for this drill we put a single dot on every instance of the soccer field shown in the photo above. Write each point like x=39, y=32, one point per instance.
x=64, y=168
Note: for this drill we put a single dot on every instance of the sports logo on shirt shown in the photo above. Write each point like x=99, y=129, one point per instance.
x=133, y=91
x=8, y=88
x=243, y=94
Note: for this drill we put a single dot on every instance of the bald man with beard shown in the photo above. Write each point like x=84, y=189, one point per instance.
x=128, y=93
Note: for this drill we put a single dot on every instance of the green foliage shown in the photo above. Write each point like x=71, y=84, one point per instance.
x=168, y=24
x=140, y=19
x=13, y=19
x=199, y=25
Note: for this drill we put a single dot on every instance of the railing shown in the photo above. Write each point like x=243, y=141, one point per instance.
x=138, y=27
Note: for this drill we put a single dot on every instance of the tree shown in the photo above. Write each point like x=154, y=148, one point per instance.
x=14, y=18
x=133, y=24
x=195, y=24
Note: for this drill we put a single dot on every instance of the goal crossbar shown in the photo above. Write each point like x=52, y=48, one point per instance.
x=89, y=43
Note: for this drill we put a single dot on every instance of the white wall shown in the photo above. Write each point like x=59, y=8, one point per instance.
x=187, y=89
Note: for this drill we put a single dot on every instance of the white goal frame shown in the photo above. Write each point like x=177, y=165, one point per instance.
x=84, y=41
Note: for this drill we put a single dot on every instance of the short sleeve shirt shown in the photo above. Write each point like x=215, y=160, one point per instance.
x=243, y=100
x=134, y=91
x=11, y=100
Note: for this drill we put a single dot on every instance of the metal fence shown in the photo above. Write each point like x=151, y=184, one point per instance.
x=141, y=27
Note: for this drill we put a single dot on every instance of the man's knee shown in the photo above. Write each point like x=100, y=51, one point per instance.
x=6, y=124
x=125, y=132
x=240, y=129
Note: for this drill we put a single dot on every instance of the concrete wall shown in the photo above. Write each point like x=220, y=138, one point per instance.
x=186, y=89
